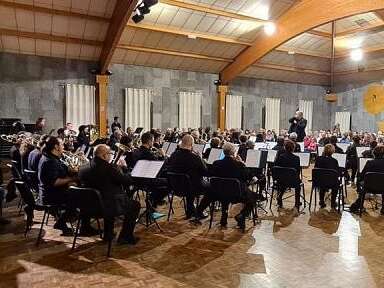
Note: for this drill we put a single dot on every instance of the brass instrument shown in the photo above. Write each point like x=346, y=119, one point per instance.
x=121, y=150
x=74, y=160
x=94, y=133
x=9, y=138
x=159, y=153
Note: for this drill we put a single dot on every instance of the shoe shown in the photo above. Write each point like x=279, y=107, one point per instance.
x=105, y=239
x=382, y=211
x=4, y=221
x=240, y=219
x=201, y=215
x=322, y=205
x=280, y=203
x=66, y=232
x=260, y=197
x=223, y=223
x=89, y=231
x=195, y=221
x=132, y=240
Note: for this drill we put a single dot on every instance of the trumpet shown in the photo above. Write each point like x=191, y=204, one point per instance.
x=74, y=160
x=9, y=138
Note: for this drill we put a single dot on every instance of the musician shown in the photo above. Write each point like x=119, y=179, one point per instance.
x=61, y=133
x=333, y=141
x=369, y=153
x=298, y=124
x=231, y=167
x=375, y=165
x=54, y=180
x=215, y=143
x=242, y=152
x=39, y=126
x=109, y=180
x=82, y=140
x=352, y=158
x=185, y=161
x=115, y=138
x=14, y=153
x=115, y=124
x=327, y=162
x=25, y=149
x=196, y=137
x=289, y=160
x=157, y=140
x=293, y=138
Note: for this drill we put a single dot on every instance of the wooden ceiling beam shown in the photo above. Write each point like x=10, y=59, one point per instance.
x=121, y=14
x=369, y=50
x=346, y=72
x=378, y=27
x=214, y=11
x=302, y=52
x=305, y=15
x=49, y=37
x=175, y=31
x=320, y=33
x=290, y=69
x=39, y=9
x=173, y=53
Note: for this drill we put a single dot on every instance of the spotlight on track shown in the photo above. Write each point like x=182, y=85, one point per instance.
x=142, y=9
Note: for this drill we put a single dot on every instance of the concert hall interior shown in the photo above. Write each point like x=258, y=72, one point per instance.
x=192, y=143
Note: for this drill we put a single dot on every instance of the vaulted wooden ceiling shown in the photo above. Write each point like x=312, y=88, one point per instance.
x=194, y=35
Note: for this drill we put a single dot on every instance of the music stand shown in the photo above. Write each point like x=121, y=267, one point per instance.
x=253, y=158
x=360, y=151
x=215, y=154
x=145, y=172
x=362, y=162
x=171, y=148
x=341, y=159
x=198, y=148
x=271, y=156
x=138, y=130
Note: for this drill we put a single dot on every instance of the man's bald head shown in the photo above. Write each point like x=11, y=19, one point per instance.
x=102, y=151
x=186, y=142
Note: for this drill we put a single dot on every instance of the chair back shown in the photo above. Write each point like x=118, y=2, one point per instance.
x=373, y=183
x=225, y=189
x=25, y=192
x=15, y=170
x=285, y=176
x=179, y=183
x=32, y=179
x=325, y=178
x=87, y=200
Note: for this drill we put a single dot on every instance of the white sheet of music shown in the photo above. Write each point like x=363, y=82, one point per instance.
x=260, y=145
x=301, y=146
x=304, y=158
x=165, y=146
x=253, y=158
x=320, y=150
x=341, y=159
x=271, y=145
x=362, y=162
x=360, y=151
x=214, y=155
x=208, y=145
x=171, y=148
x=343, y=146
x=198, y=148
x=271, y=156
x=147, y=169
x=252, y=138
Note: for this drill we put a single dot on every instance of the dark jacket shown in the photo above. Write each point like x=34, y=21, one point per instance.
x=289, y=160
x=338, y=149
x=367, y=153
x=186, y=162
x=375, y=165
x=143, y=153
x=242, y=152
x=298, y=126
x=33, y=159
x=108, y=179
x=326, y=162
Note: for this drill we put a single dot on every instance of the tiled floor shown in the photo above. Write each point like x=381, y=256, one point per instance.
x=320, y=249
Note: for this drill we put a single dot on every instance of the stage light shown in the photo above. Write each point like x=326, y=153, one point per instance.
x=269, y=28
x=357, y=55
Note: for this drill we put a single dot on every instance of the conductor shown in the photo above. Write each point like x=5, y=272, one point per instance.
x=298, y=124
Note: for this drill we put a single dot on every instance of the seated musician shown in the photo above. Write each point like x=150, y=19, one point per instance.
x=279, y=145
x=215, y=143
x=185, y=161
x=35, y=155
x=327, y=162
x=82, y=139
x=196, y=137
x=54, y=180
x=109, y=180
x=14, y=153
x=369, y=153
x=293, y=138
x=115, y=138
x=375, y=165
x=289, y=160
x=157, y=139
x=242, y=152
x=231, y=167
x=333, y=141
x=352, y=158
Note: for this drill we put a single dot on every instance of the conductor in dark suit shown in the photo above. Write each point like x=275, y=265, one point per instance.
x=289, y=160
x=298, y=124
x=109, y=180
x=327, y=162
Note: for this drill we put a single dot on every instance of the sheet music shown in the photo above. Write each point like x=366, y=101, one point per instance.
x=304, y=158
x=362, y=162
x=320, y=150
x=199, y=148
x=171, y=148
x=253, y=158
x=301, y=146
x=208, y=145
x=271, y=156
x=147, y=169
x=360, y=151
x=165, y=146
x=215, y=154
x=271, y=145
x=260, y=145
x=252, y=138
x=341, y=159
x=343, y=146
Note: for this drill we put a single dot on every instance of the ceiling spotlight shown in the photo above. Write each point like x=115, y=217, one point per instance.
x=137, y=18
x=144, y=9
x=191, y=36
x=357, y=55
x=269, y=28
x=290, y=52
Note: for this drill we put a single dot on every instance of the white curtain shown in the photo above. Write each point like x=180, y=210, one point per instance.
x=306, y=107
x=272, y=114
x=344, y=119
x=80, y=105
x=189, y=110
x=138, y=108
x=233, y=111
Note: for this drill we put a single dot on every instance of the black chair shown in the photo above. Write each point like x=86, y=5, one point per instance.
x=285, y=177
x=32, y=179
x=16, y=173
x=373, y=184
x=226, y=190
x=325, y=179
x=31, y=205
x=89, y=203
x=180, y=185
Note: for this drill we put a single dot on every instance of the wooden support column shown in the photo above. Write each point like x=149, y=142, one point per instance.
x=222, y=91
x=101, y=103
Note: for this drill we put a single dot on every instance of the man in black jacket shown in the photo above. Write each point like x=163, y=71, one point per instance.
x=109, y=180
x=298, y=124
x=333, y=140
x=289, y=160
x=185, y=161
